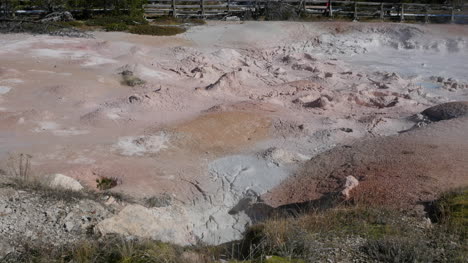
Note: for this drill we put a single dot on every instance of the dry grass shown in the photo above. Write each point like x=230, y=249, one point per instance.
x=109, y=249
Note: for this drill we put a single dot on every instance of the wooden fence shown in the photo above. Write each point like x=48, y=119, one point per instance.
x=352, y=9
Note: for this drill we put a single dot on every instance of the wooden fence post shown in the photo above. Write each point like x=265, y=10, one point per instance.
x=426, y=17
x=355, y=11
x=402, y=17
x=228, y=6
x=452, y=17
x=330, y=11
x=382, y=15
x=202, y=7
x=174, y=9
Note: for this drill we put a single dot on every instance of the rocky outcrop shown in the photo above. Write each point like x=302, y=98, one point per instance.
x=51, y=218
x=166, y=224
x=447, y=111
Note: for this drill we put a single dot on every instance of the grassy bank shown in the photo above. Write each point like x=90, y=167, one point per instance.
x=341, y=234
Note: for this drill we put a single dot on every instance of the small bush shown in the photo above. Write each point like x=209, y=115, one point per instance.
x=106, y=183
x=116, y=27
x=156, y=30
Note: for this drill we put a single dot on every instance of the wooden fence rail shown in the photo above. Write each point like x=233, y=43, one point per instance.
x=353, y=9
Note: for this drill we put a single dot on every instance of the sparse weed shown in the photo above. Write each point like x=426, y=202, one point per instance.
x=159, y=201
x=130, y=80
x=116, y=27
x=19, y=166
x=106, y=183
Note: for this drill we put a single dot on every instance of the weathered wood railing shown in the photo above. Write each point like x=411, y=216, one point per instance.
x=353, y=9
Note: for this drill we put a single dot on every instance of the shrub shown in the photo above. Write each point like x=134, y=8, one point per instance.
x=116, y=27
x=106, y=183
x=156, y=30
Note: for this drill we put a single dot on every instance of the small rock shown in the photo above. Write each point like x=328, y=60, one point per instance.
x=232, y=18
x=305, y=99
x=65, y=182
x=322, y=102
x=69, y=226
x=110, y=201
x=347, y=130
x=350, y=184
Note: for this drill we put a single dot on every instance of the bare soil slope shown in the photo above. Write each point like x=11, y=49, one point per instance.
x=401, y=171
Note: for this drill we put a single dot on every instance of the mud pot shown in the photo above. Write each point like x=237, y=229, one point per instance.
x=235, y=113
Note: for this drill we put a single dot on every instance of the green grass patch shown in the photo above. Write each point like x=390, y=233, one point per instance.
x=107, y=20
x=169, y=20
x=71, y=23
x=116, y=27
x=156, y=30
